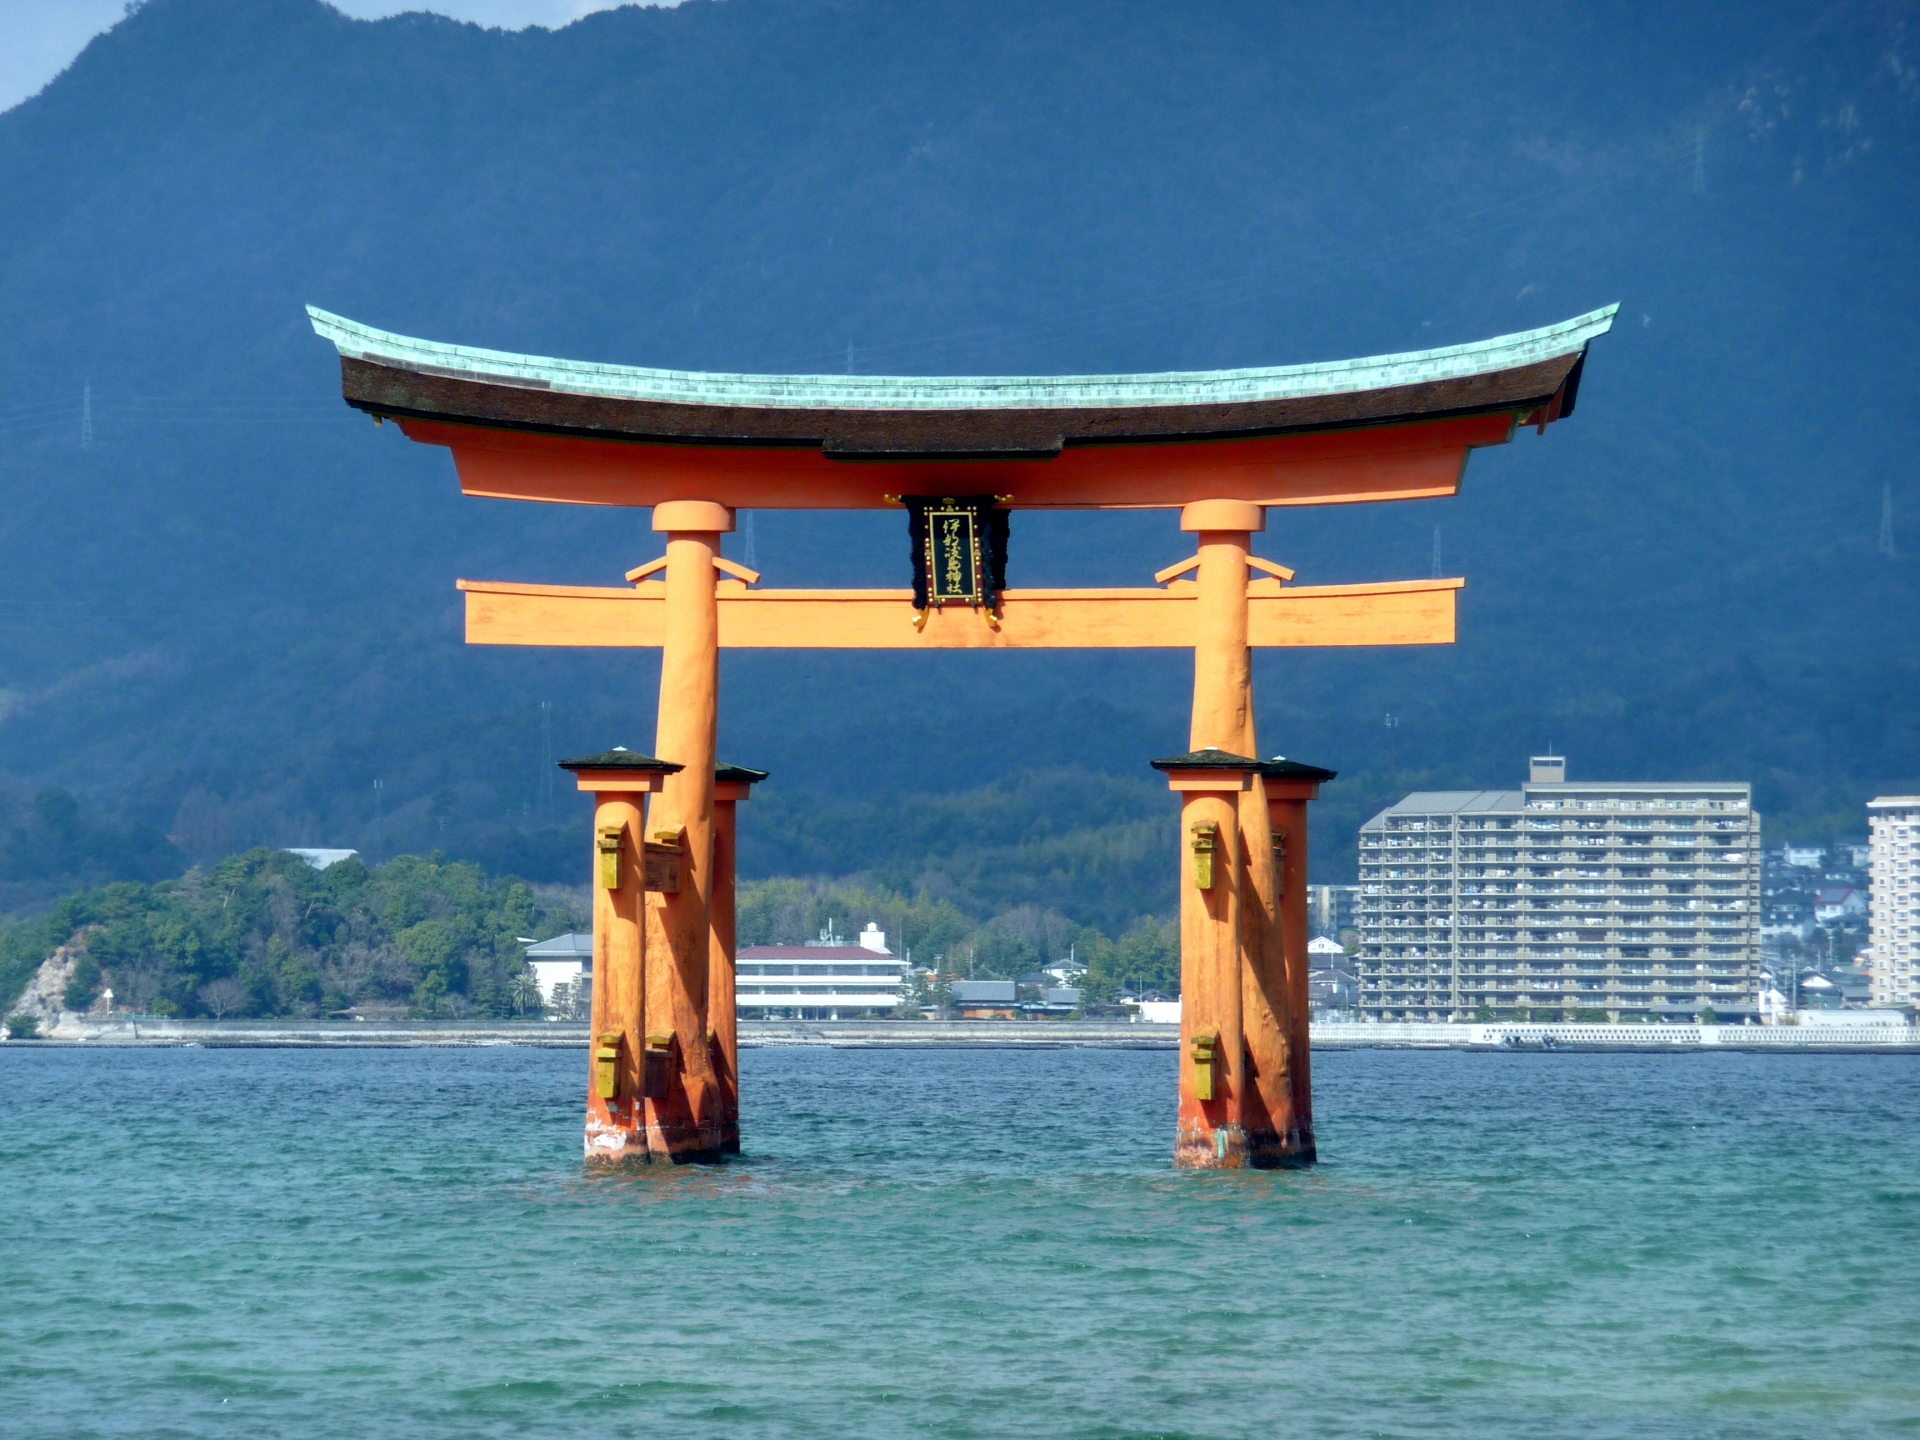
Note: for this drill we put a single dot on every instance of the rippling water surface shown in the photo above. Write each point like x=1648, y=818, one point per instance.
x=402, y=1243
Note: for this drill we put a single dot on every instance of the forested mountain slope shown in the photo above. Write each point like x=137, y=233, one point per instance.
x=231, y=611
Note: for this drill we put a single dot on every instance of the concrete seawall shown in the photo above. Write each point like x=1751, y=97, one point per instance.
x=986, y=1034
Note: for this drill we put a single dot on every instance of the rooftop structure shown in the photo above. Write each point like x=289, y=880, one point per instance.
x=1639, y=898
x=1893, y=823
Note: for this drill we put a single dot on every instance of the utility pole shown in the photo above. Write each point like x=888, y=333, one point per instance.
x=1886, y=521
x=1393, y=748
x=1436, y=552
x=377, y=832
x=746, y=539
x=86, y=416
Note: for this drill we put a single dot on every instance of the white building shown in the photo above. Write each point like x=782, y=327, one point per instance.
x=321, y=859
x=1640, y=899
x=563, y=960
x=1835, y=904
x=820, y=980
x=1893, y=824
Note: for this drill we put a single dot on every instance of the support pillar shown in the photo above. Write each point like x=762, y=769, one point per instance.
x=619, y=781
x=732, y=784
x=1262, y=1060
x=1273, y=1047
x=1289, y=786
x=1222, y=661
x=1211, y=1130
x=684, y=1123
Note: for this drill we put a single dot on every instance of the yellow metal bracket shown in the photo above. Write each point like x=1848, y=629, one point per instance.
x=657, y=1067
x=1206, y=842
x=607, y=842
x=606, y=1062
x=1204, y=1045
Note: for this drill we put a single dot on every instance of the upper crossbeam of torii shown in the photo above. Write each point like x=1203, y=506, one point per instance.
x=957, y=453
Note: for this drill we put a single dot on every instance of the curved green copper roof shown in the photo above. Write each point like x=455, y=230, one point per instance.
x=962, y=392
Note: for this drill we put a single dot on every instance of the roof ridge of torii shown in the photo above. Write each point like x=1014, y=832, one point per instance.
x=957, y=452
x=1278, y=415
x=357, y=341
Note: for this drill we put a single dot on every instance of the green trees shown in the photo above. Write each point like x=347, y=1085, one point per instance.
x=262, y=933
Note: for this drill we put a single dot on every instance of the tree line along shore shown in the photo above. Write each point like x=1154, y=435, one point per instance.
x=262, y=934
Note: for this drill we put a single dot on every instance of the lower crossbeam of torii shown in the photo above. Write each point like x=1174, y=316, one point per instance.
x=1222, y=447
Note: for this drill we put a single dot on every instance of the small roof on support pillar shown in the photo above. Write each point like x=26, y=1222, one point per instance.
x=621, y=758
x=1281, y=768
x=1209, y=757
x=738, y=775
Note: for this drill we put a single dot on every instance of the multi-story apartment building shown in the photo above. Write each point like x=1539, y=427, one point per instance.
x=1893, y=912
x=1637, y=899
x=1332, y=910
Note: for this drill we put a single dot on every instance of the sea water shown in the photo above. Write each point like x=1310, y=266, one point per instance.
x=264, y=1243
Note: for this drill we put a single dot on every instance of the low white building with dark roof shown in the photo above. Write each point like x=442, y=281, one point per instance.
x=823, y=979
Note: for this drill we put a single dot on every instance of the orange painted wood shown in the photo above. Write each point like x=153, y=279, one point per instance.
x=1402, y=612
x=1274, y=1136
x=684, y=1124
x=616, y=1128
x=1209, y=1133
x=1222, y=663
x=1288, y=812
x=1329, y=467
x=722, y=1000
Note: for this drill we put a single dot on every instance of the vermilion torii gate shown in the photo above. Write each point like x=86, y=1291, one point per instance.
x=1222, y=447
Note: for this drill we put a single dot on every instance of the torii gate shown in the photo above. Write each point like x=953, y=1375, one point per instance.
x=1220, y=446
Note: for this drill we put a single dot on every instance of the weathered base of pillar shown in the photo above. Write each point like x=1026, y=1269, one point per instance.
x=610, y=1145
x=730, y=1142
x=1204, y=1147
x=1291, y=1151
x=676, y=1147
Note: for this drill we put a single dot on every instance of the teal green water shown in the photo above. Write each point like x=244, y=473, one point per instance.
x=957, y=1243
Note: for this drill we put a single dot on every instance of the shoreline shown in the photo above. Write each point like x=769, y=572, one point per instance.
x=75, y=1031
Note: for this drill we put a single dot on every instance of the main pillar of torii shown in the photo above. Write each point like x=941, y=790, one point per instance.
x=1223, y=447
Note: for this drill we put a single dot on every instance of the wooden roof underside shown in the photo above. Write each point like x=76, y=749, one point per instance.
x=1533, y=377
x=912, y=434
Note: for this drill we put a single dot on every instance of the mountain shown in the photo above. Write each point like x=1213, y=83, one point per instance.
x=230, y=611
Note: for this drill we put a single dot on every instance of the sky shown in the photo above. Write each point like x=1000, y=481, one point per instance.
x=40, y=38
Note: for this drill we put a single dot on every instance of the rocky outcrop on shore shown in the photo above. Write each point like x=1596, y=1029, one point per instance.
x=44, y=999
